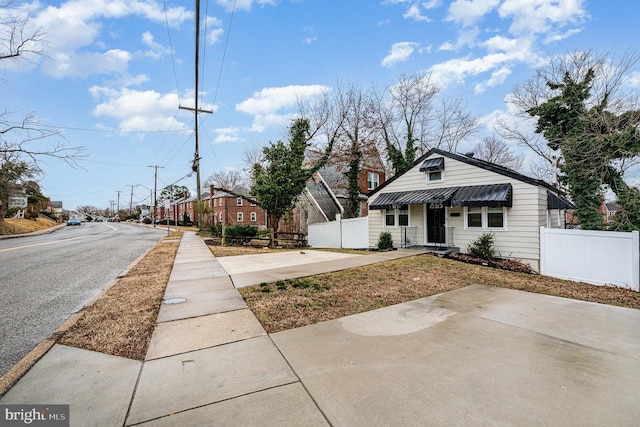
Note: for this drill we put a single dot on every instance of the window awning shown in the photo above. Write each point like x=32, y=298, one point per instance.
x=558, y=202
x=436, y=164
x=494, y=195
x=393, y=200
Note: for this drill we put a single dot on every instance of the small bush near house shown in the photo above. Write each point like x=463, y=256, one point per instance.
x=216, y=229
x=147, y=220
x=385, y=240
x=483, y=246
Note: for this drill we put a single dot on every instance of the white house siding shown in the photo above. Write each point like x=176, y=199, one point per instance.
x=521, y=238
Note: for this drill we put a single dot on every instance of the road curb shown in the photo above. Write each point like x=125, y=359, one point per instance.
x=13, y=375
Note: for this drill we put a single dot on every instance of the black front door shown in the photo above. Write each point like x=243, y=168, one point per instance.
x=436, y=224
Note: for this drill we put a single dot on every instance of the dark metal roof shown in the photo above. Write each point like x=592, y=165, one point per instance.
x=558, y=202
x=436, y=164
x=493, y=196
x=471, y=161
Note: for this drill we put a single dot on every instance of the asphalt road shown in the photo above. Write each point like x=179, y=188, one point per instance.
x=45, y=279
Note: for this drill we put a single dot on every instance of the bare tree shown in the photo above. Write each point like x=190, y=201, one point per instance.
x=226, y=179
x=410, y=122
x=453, y=122
x=22, y=138
x=494, y=150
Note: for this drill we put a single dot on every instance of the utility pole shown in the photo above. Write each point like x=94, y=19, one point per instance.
x=196, y=158
x=131, y=199
x=155, y=190
x=118, y=205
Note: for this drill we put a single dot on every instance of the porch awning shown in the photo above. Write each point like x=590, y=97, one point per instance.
x=492, y=195
x=436, y=164
x=558, y=202
x=417, y=197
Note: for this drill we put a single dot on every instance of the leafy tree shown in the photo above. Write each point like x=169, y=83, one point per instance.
x=281, y=179
x=592, y=137
x=13, y=174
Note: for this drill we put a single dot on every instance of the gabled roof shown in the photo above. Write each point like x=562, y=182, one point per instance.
x=470, y=161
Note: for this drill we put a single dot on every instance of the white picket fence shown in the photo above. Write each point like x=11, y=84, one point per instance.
x=352, y=233
x=596, y=257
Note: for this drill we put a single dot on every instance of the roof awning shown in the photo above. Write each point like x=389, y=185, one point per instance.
x=417, y=197
x=436, y=164
x=492, y=195
x=558, y=202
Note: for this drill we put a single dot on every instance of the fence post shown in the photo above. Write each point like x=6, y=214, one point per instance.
x=543, y=266
x=635, y=237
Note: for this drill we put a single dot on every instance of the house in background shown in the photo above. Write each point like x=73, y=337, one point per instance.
x=228, y=207
x=326, y=193
x=449, y=200
x=235, y=206
x=609, y=210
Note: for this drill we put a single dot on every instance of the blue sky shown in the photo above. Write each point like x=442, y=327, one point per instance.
x=111, y=83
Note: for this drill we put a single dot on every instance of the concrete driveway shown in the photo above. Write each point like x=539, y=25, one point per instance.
x=475, y=356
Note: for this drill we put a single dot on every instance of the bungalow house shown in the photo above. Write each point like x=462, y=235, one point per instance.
x=449, y=200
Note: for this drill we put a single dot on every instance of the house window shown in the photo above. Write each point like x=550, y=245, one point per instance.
x=495, y=218
x=215, y=202
x=220, y=217
x=397, y=216
x=239, y=201
x=373, y=180
x=403, y=215
x=390, y=217
x=485, y=218
x=254, y=217
x=253, y=202
x=435, y=176
x=240, y=217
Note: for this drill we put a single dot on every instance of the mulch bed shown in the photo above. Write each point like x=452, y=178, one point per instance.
x=500, y=263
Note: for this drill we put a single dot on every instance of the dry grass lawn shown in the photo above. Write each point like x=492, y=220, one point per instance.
x=121, y=322
x=20, y=226
x=299, y=302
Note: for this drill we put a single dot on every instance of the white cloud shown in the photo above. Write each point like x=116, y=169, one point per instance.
x=634, y=79
x=137, y=110
x=399, y=52
x=267, y=105
x=497, y=78
x=226, y=135
x=228, y=5
x=468, y=12
x=73, y=28
x=541, y=16
x=414, y=13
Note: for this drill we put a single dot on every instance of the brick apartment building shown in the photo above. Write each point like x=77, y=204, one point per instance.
x=222, y=206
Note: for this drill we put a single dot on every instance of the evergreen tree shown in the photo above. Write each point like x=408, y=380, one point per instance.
x=281, y=179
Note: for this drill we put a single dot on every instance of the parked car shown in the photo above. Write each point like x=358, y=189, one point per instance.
x=74, y=221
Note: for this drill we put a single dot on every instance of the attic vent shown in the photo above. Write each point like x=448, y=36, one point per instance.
x=470, y=154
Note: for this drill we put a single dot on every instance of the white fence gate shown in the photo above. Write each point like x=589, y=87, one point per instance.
x=352, y=233
x=596, y=257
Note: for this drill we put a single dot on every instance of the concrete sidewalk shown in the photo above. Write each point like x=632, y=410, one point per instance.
x=475, y=356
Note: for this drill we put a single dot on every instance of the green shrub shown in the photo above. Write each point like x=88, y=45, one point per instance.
x=241, y=231
x=385, y=240
x=215, y=229
x=483, y=246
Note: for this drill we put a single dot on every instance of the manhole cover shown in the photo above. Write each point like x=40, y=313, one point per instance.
x=174, y=300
